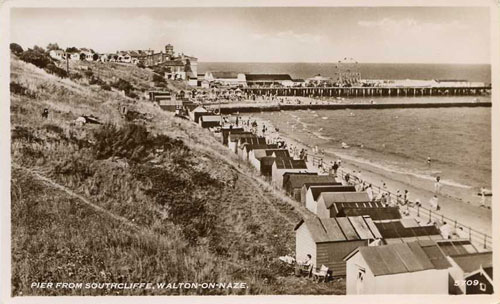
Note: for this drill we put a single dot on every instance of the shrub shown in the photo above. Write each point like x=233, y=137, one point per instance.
x=75, y=76
x=16, y=48
x=158, y=78
x=106, y=87
x=16, y=88
x=36, y=57
x=88, y=73
x=53, y=69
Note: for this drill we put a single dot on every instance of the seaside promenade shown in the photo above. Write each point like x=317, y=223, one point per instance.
x=466, y=221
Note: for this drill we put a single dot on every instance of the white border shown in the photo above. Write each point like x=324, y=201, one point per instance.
x=5, y=264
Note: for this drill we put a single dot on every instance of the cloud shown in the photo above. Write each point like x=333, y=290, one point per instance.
x=289, y=36
x=410, y=24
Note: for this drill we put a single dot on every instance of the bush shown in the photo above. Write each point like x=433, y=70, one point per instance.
x=88, y=73
x=106, y=87
x=16, y=48
x=75, y=76
x=36, y=57
x=53, y=69
x=16, y=88
x=158, y=78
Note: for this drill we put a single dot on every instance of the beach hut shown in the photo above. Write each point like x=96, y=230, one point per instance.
x=329, y=240
x=408, y=268
x=478, y=265
x=306, y=186
x=282, y=165
x=209, y=121
x=233, y=140
x=225, y=131
x=314, y=193
x=252, y=140
x=293, y=182
x=197, y=112
x=246, y=148
x=406, y=230
x=255, y=155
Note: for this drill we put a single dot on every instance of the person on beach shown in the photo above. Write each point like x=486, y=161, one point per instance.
x=429, y=161
x=398, y=197
x=483, y=197
x=437, y=186
x=347, y=177
x=335, y=167
x=434, y=202
x=369, y=191
x=406, y=198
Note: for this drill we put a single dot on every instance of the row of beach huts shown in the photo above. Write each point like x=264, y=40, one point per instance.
x=375, y=246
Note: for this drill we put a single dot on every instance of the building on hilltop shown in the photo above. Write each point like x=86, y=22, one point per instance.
x=57, y=54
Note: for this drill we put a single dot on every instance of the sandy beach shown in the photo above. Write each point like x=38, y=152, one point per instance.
x=468, y=214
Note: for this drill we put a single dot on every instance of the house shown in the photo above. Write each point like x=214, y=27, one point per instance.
x=406, y=230
x=87, y=54
x=293, y=182
x=197, y=113
x=417, y=267
x=210, y=121
x=226, y=78
x=478, y=265
x=104, y=57
x=314, y=193
x=73, y=55
x=376, y=213
x=268, y=80
x=282, y=165
x=124, y=57
x=329, y=240
x=246, y=148
x=225, y=131
x=57, y=54
x=234, y=139
x=253, y=140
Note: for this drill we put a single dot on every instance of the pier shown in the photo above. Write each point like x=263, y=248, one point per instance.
x=368, y=91
x=262, y=107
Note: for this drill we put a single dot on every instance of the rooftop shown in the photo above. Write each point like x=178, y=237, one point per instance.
x=268, y=77
x=403, y=258
x=456, y=247
x=473, y=261
x=289, y=163
x=395, y=229
x=340, y=229
x=317, y=190
x=376, y=213
x=296, y=180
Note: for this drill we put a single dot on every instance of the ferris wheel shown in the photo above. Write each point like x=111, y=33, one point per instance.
x=347, y=71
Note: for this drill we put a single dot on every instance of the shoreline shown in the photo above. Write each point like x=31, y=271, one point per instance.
x=467, y=213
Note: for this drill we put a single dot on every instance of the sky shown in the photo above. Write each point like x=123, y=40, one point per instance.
x=271, y=34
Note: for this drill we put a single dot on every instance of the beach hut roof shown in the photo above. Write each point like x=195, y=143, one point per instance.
x=236, y=137
x=298, y=180
x=402, y=258
x=376, y=213
x=340, y=229
x=340, y=198
x=200, y=109
x=210, y=118
x=250, y=147
x=290, y=163
x=472, y=262
x=253, y=140
x=395, y=229
x=259, y=153
x=456, y=247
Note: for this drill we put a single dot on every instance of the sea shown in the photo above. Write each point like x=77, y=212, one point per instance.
x=458, y=140
x=470, y=72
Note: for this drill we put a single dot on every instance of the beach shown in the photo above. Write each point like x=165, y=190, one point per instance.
x=458, y=202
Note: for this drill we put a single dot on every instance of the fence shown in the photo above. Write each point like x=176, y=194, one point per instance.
x=476, y=237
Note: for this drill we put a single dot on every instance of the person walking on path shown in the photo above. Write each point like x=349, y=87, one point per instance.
x=369, y=191
x=483, y=197
x=335, y=167
x=437, y=186
x=406, y=198
x=434, y=202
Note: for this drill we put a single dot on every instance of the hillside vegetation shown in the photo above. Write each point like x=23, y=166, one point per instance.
x=134, y=200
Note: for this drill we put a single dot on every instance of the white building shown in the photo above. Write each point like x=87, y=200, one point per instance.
x=408, y=268
x=57, y=54
x=226, y=78
x=314, y=194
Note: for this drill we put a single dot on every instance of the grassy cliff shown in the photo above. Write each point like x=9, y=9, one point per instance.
x=132, y=200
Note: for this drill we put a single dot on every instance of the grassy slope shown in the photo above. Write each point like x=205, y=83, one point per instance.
x=200, y=213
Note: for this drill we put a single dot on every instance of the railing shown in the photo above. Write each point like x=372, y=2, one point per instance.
x=475, y=236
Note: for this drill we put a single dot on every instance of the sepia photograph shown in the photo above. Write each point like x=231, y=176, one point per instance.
x=249, y=149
